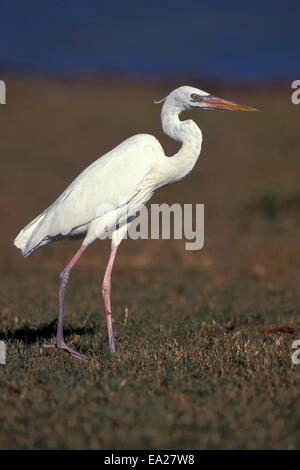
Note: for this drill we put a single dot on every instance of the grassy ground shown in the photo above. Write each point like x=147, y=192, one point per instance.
x=203, y=359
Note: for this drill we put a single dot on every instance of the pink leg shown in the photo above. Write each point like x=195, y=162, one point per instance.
x=106, y=289
x=63, y=280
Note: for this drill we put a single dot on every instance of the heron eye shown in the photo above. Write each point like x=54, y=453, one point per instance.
x=194, y=96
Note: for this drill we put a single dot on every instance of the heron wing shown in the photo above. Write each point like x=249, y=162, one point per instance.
x=112, y=180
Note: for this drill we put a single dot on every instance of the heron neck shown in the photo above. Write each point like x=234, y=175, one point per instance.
x=186, y=132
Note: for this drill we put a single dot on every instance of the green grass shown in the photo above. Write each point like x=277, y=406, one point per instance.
x=273, y=202
x=202, y=362
x=186, y=376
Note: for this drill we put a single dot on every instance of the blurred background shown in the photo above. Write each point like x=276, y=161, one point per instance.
x=212, y=368
x=217, y=41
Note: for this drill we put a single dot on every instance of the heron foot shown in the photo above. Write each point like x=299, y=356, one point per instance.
x=67, y=348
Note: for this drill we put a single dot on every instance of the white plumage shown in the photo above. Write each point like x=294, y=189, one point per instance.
x=104, y=182
x=111, y=190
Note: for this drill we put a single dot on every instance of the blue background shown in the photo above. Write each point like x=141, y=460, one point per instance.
x=225, y=41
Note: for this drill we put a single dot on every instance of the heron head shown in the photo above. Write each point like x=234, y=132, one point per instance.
x=187, y=97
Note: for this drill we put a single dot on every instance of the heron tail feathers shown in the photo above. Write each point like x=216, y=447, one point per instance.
x=21, y=241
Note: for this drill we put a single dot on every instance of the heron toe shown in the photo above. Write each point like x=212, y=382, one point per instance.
x=67, y=348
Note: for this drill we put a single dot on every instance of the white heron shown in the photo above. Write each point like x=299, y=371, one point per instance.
x=124, y=179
